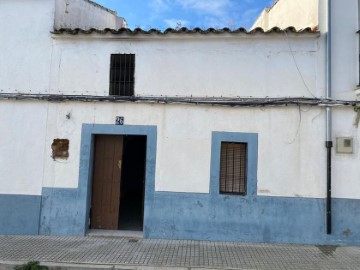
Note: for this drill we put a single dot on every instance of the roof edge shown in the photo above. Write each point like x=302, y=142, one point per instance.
x=184, y=30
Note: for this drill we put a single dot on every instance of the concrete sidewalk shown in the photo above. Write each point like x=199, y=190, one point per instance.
x=135, y=253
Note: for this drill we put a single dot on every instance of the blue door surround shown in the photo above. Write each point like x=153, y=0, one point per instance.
x=66, y=211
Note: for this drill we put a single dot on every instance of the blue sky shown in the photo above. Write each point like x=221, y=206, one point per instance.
x=162, y=14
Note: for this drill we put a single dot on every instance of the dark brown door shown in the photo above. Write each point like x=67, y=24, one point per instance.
x=105, y=200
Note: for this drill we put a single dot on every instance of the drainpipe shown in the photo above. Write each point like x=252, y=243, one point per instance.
x=329, y=142
x=357, y=91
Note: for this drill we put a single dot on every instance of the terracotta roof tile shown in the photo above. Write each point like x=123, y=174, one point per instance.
x=184, y=30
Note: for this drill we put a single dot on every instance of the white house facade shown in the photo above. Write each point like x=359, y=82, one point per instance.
x=181, y=134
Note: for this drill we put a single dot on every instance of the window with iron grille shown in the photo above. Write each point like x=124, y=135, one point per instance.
x=122, y=69
x=233, y=168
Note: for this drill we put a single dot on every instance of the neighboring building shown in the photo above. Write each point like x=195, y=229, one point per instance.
x=183, y=134
x=285, y=13
x=85, y=14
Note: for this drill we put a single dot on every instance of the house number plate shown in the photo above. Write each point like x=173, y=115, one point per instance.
x=119, y=120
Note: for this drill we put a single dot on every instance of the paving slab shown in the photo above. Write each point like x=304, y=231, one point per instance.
x=72, y=253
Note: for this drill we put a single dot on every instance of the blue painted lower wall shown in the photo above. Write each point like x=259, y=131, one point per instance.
x=193, y=216
x=19, y=214
x=62, y=212
x=257, y=219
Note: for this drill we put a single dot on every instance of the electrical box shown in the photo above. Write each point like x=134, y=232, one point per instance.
x=344, y=145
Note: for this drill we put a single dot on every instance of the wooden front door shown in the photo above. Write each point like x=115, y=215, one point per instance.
x=105, y=199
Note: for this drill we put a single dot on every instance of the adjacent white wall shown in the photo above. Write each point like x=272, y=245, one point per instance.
x=22, y=146
x=26, y=46
x=345, y=47
x=25, y=60
x=297, y=13
x=85, y=14
x=345, y=78
x=346, y=171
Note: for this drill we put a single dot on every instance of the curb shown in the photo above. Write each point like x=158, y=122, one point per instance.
x=9, y=265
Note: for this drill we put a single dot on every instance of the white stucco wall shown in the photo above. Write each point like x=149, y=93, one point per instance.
x=22, y=146
x=345, y=49
x=26, y=43
x=25, y=47
x=255, y=66
x=291, y=140
x=346, y=172
x=183, y=154
x=85, y=14
x=25, y=56
x=345, y=78
x=291, y=158
x=285, y=13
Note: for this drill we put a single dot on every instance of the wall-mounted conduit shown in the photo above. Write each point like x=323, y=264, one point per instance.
x=219, y=101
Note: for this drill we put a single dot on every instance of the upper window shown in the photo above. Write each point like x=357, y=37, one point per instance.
x=233, y=168
x=122, y=69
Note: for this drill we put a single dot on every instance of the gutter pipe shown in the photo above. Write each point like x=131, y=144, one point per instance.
x=329, y=141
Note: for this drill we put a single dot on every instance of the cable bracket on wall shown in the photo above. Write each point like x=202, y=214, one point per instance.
x=357, y=116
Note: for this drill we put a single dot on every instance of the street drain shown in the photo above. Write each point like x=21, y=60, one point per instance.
x=133, y=240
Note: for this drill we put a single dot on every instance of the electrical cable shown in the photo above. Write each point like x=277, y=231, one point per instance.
x=220, y=101
x=297, y=66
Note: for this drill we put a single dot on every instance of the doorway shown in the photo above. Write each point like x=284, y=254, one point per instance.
x=117, y=201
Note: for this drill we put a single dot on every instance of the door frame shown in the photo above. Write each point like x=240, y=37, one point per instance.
x=89, y=131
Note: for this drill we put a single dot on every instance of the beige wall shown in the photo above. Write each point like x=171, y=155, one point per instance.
x=285, y=13
x=84, y=14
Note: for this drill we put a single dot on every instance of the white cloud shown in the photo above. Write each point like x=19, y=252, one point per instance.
x=175, y=23
x=159, y=6
x=210, y=13
x=211, y=7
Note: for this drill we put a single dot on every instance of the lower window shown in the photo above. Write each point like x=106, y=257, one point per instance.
x=233, y=169
x=233, y=164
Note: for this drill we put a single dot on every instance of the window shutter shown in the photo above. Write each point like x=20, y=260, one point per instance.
x=233, y=168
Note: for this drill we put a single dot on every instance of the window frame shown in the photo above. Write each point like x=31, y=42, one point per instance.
x=251, y=139
x=122, y=83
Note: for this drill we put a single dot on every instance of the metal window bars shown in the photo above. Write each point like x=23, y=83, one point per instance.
x=122, y=79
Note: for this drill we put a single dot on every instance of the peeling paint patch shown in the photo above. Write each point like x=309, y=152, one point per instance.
x=264, y=191
x=199, y=204
x=60, y=149
x=347, y=233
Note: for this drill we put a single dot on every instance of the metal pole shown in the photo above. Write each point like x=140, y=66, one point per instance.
x=329, y=142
